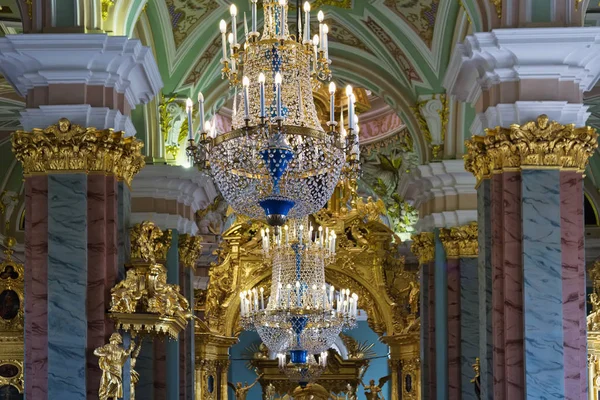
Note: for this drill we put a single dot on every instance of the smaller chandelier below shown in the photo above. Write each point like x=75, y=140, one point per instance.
x=303, y=312
x=305, y=370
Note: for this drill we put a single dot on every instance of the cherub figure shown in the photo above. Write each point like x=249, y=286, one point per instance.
x=374, y=392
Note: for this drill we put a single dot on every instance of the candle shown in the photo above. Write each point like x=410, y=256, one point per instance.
x=300, y=234
x=321, y=17
x=287, y=239
x=208, y=128
x=307, y=22
x=223, y=27
x=350, y=107
x=321, y=236
x=233, y=12
x=331, y=290
x=188, y=107
x=261, y=80
x=325, y=41
x=332, y=102
x=201, y=108
x=315, y=55
x=245, y=28
x=282, y=4
x=278, y=81
x=246, y=83
x=262, y=298
x=233, y=67
x=254, y=29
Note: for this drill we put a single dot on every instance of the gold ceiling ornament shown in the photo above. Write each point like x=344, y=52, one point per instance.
x=149, y=243
x=190, y=249
x=69, y=147
x=423, y=247
x=461, y=241
x=535, y=144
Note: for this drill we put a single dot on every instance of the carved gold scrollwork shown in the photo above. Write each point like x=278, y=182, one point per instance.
x=70, y=147
x=423, y=247
x=12, y=298
x=149, y=243
x=189, y=250
x=536, y=144
x=460, y=241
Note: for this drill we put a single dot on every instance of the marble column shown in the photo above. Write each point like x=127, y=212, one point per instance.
x=172, y=346
x=423, y=248
x=440, y=289
x=71, y=260
x=530, y=150
x=461, y=246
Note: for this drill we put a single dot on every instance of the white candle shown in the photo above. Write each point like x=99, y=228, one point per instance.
x=325, y=41
x=254, y=29
x=208, y=128
x=282, y=4
x=201, y=108
x=262, y=298
x=189, y=107
x=350, y=107
x=332, y=102
x=315, y=55
x=261, y=80
x=233, y=66
x=287, y=239
x=246, y=83
x=306, y=22
x=321, y=17
x=278, y=81
x=223, y=27
x=233, y=12
x=331, y=290
x=321, y=236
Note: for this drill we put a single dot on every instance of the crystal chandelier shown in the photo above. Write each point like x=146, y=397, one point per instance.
x=303, y=371
x=303, y=315
x=278, y=160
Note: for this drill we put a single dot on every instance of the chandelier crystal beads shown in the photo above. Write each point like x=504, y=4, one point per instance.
x=278, y=160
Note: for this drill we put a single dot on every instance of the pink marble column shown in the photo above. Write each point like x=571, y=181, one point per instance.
x=36, y=291
x=454, y=361
x=573, y=285
x=507, y=297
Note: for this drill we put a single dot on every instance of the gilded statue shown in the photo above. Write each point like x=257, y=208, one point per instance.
x=270, y=392
x=413, y=296
x=374, y=392
x=593, y=320
x=135, y=376
x=476, y=381
x=112, y=358
x=242, y=391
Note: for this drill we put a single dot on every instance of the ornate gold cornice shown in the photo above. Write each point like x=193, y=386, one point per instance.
x=461, y=241
x=189, y=250
x=69, y=147
x=423, y=247
x=149, y=243
x=535, y=144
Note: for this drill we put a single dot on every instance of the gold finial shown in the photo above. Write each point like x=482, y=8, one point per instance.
x=9, y=242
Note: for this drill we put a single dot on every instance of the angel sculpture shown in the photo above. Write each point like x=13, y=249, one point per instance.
x=374, y=391
x=242, y=391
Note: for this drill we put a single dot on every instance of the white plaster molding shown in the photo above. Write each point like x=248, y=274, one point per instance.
x=185, y=185
x=430, y=110
x=506, y=55
x=34, y=60
x=81, y=114
x=446, y=219
x=524, y=111
x=166, y=221
x=439, y=179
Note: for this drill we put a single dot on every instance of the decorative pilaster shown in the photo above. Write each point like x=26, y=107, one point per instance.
x=71, y=183
x=538, y=284
x=461, y=246
x=405, y=365
x=423, y=247
x=212, y=364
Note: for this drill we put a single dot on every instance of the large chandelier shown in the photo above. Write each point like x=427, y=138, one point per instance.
x=303, y=315
x=303, y=371
x=278, y=160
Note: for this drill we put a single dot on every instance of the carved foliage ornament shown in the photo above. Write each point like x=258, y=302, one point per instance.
x=423, y=247
x=69, y=147
x=149, y=243
x=189, y=250
x=539, y=143
x=460, y=241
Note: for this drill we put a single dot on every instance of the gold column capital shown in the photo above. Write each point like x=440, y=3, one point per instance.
x=460, y=241
x=423, y=247
x=149, y=243
x=536, y=144
x=189, y=250
x=69, y=147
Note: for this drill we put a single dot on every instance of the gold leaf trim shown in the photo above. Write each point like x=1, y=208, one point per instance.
x=461, y=241
x=423, y=247
x=149, y=243
x=190, y=249
x=69, y=147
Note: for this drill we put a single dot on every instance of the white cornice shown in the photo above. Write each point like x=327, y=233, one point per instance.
x=504, y=55
x=34, y=60
x=166, y=221
x=446, y=219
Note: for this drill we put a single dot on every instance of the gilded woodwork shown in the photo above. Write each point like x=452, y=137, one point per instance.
x=593, y=334
x=69, y=147
x=111, y=359
x=535, y=144
x=144, y=301
x=423, y=247
x=405, y=364
x=190, y=249
x=461, y=241
x=18, y=379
